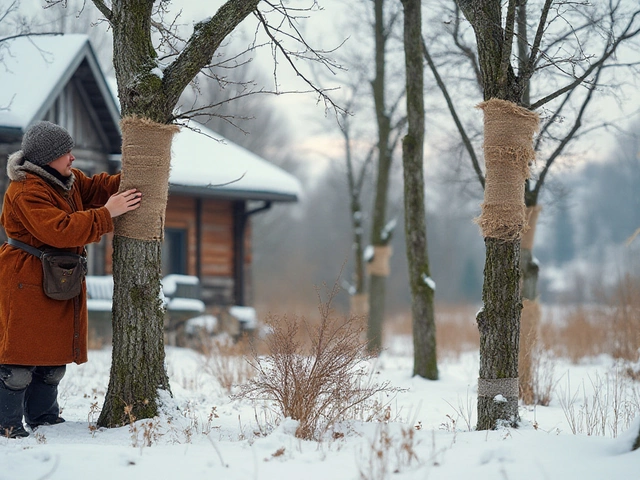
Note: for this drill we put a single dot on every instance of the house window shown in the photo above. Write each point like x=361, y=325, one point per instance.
x=174, y=251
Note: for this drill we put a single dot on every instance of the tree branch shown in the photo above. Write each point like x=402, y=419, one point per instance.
x=535, y=48
x=466, y=51
x=100, y=5
x=465, y=138
x=11, y=37
x=278, y=45
x=576, y=126
x=627, y=34
x=507, y=46
x=205, y=40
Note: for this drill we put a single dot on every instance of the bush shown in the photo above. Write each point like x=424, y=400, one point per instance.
x=319, y=383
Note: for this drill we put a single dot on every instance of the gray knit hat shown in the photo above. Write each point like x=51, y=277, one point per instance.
x=44, y=141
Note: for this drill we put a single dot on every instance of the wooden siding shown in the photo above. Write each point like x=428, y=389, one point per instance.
x=181, y=213
x=217, y=238
x=217, y=253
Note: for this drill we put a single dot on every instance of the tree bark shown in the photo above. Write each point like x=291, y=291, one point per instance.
x=499, y=320
x=422, y=291
x=499, y=327
x=137, y=364
x=377, y=283
x=138, y=371
x=530, y=270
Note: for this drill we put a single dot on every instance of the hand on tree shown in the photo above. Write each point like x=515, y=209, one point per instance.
x=123, y=202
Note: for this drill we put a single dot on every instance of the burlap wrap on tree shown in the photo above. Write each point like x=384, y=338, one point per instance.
x=379, y=264
x=359, y=305
x=508, y=151
x=528, y=237
x=146, y=161
x=529, y=330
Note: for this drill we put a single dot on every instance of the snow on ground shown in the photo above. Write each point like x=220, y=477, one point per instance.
x=203, y=434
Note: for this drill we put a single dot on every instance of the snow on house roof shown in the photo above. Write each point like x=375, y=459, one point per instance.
x=35, y=69
x=205, y=162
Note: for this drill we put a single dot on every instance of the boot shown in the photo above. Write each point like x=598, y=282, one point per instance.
x=15, y=432
x=13, y=384
x=41, y=398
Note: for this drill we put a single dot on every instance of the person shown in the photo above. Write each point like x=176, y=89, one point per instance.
x=48, y=204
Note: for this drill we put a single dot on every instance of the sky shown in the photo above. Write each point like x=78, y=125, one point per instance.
x=242, y=440
x=313, y=127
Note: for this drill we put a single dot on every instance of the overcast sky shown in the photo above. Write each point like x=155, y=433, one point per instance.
x=324, y=30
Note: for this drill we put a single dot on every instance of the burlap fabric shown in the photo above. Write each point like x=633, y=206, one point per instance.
x=146, y=161
x=359, y=305
x=379, y=264
x=508, y=151
x=529, y=333
x=528, y=237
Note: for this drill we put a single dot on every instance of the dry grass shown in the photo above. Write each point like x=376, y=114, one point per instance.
x=226, y=360
x=456, y=329
x=612, y=328
x=581, y=333
x=607, y=405
x=317, y=382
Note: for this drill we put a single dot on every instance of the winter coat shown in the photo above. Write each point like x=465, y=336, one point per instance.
x=39, y=209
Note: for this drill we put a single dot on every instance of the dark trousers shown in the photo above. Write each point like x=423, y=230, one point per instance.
x=31, y=392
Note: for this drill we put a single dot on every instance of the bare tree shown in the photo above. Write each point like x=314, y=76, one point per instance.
x=422, y=286
x=151, y=78
x=356, y=176
x=581, y=73
x=388, y=126
x=499, y=320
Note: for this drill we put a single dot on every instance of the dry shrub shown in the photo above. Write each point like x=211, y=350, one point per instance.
x=542, y=380
x=608, y=406
x=582, y=333
x=611, y=328
x=625, y=319
x=226, y=360
x=389, y=453
x=320, y=384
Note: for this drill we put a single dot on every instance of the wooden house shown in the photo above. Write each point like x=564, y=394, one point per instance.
x=215, y=186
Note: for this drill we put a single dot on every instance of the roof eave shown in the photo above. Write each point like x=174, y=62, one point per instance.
x=228, y=194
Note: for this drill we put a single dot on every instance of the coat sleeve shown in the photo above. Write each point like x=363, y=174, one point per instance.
x=38, y=213
x=96, y=190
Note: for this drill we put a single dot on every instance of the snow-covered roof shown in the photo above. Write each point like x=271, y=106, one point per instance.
x=35, y=69
x=206, y=163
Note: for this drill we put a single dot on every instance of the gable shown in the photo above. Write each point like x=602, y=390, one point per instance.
x=50, y=77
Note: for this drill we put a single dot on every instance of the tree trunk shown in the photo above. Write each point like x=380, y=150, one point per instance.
x=530, y=318
x=636, y=445
x=422, y=290
x=138, y=372
x=499, y=326
x=499, y=321
x=359, y=302
x=530, y=270
x=377, y=283
x=137, y=366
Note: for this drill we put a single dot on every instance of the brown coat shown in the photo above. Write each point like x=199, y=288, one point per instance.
x=41, y=210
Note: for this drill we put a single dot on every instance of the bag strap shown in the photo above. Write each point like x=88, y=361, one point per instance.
x=27, y=248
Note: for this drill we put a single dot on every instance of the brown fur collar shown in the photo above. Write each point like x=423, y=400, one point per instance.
x=18, y=167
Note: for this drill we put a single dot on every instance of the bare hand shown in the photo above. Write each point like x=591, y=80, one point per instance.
x=123, y=202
